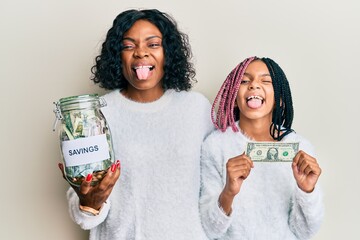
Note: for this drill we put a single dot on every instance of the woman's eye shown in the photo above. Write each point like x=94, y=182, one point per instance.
x=127, y=46
x=154, y=45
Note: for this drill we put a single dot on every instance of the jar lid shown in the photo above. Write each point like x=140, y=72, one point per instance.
x=81, y=102
x=77, y=102
x=79, y=98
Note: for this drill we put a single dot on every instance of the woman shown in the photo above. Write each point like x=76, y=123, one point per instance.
x=157, y=127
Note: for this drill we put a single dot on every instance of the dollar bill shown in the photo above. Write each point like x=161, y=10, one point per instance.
x=272, y=151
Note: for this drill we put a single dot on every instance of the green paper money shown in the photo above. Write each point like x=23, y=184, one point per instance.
x=272, y=151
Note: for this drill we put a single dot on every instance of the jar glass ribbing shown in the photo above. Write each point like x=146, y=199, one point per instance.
x=85, y=138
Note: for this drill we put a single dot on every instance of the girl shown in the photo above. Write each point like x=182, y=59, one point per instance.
x=157, y=127
x=241, y=199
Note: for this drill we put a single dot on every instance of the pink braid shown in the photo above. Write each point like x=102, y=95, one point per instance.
x=226, y=98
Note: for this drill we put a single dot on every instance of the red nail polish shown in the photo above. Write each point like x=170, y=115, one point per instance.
x=89, y=177
x=113, y=167
x=118, y=164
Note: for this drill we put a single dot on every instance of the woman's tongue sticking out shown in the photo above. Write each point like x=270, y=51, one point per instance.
x=143, y=73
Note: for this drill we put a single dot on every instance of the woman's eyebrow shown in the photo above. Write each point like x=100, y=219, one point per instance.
x=148, y=38
x=151, y=37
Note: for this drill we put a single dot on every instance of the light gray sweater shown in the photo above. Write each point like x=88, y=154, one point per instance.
x=269, y=204
x=157, y=194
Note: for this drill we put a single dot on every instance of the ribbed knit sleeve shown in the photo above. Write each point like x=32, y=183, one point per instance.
x=214, y=221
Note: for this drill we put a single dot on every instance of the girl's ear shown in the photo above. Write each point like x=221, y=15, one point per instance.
x=235, y=103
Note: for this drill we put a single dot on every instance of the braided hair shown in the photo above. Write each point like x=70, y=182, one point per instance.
x=227, y=114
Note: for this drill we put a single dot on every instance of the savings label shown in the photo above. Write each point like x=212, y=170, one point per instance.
x=85, y=150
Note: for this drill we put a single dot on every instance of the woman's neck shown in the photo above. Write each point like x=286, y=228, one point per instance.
x=143, y=96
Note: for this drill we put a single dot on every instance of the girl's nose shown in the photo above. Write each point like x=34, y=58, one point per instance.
x=254, y=85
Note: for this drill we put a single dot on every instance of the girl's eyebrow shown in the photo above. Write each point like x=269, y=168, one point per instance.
x=265, y=75
x=262, y=75
x=146, y=39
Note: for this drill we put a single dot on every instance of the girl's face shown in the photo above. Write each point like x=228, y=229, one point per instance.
x=255, y=97
x=143, y=60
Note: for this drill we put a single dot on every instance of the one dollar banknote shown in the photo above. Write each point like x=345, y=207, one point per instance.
x=272, y=151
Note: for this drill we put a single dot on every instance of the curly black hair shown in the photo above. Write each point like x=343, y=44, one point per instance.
x=179, y=72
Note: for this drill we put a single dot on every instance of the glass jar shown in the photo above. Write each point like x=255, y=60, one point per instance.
x=85, y=138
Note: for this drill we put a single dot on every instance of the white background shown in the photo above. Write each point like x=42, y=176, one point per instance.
x=47, y=49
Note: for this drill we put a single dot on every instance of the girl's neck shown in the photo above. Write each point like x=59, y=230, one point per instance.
x=258, y=130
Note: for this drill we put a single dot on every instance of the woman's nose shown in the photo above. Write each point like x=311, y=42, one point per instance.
x=140, y=52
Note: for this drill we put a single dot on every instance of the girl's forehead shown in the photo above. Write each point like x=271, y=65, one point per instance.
x=257, y=67
x=257, y=64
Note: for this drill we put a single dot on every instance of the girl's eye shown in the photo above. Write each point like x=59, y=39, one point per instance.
x=244, y=81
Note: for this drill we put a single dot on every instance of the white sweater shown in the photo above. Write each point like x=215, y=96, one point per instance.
x=157, y=194
x=269, y=205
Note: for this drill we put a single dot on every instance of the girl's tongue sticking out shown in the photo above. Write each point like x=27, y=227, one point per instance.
x=254, y=102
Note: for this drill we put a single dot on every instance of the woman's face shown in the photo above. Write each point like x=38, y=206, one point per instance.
x=143, y=60
x=255, y=97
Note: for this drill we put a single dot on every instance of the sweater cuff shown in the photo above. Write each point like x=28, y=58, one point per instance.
x=220, y=219
x=223, y=211
x=85, y=221
x=304, y=197
x=310, y=203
